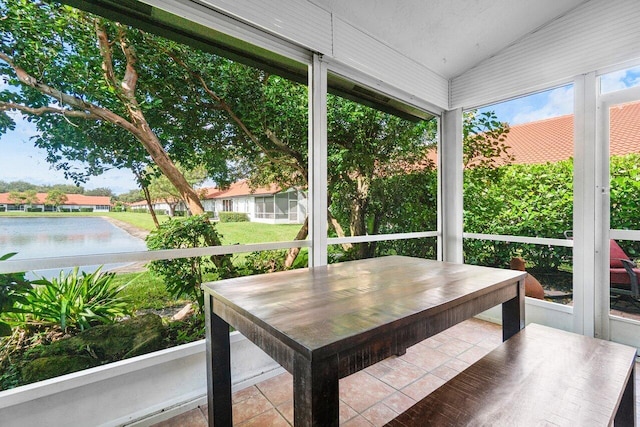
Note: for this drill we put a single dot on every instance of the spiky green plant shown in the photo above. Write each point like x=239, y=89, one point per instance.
x=76, y=300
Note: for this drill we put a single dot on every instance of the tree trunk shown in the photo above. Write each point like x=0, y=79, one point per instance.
x=147, y=197
x=358, y=220
x=292, y=254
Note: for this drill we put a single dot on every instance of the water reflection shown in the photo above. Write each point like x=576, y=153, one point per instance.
x=56, y=237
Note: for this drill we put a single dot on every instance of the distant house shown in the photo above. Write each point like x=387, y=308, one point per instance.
x=74, y=203
x=262, y=204
x=270, y=204
x=159, y=207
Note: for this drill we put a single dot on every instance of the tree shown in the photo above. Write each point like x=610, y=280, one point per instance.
x=27, y=198
x=130, y=196
x=56, y=198
x=484, y=140
x=161, y=189
x=100, y=191
x=78, y=79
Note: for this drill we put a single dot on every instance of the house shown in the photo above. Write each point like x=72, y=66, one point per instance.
x=73, y=203
x=269, y=204
x=159, y=206
x=418, y=58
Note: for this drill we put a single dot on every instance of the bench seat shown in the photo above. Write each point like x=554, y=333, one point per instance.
x=541, y=376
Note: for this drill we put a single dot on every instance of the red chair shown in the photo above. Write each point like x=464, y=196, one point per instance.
x=623, y=273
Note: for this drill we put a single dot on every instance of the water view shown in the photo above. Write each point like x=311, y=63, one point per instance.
x=55, y=237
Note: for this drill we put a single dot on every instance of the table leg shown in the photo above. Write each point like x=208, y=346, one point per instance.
x=315, y=392
x=513, y=314
x=218, y=368
x=626, y=415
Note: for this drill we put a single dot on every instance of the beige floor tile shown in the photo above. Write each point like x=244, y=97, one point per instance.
x=361, y=391
x=250, y=408
x=423, y=386
x=271, y=418
x=278, y=389
x=379, y=414
x=192, y=418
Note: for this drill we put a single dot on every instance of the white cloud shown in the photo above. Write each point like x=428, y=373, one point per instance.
x=619, y=80
x=558, y=102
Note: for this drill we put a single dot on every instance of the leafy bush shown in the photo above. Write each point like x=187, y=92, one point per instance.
x=74, y=300
x=183, y=276
x=233, y=217
x=520, y=200
x=86, y=209
x=13, y=290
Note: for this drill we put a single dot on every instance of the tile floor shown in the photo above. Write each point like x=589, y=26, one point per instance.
x=375, y=395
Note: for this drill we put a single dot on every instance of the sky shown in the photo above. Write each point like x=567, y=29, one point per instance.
x=20, y=160
x=559, y=101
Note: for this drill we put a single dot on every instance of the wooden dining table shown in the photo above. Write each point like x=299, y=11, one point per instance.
x=325, y=323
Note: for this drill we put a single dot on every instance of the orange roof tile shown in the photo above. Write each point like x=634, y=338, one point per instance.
x=240, y=188
x=551, y=140
x=72, y=199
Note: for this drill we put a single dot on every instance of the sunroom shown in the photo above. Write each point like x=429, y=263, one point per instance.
x=434, y=63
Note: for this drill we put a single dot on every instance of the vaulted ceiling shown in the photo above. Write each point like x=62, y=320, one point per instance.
x=448, y=36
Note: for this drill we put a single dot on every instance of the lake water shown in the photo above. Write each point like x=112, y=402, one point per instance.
x=54, y=237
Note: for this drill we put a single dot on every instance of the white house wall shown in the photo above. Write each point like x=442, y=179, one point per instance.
x=598, y=34
x=302, y=24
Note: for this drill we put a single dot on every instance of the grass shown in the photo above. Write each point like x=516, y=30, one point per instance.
x=253, y=232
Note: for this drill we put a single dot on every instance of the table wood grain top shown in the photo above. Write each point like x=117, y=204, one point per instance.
x=312, y=309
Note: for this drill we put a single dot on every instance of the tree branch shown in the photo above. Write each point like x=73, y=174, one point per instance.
x=5, y=106
x=227, y=108
x=130, y=80
x=82, y=108
x=107, y=57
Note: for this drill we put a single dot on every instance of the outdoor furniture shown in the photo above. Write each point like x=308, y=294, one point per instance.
x=325, y=323
x=540, y=376
x=623, y=271
x=623, y=274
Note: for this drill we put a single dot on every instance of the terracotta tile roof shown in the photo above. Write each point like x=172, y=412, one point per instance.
x=240, y=188
x=551, y=140
x=72, y=199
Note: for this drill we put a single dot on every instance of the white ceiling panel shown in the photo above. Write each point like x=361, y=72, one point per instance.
x=448, y=36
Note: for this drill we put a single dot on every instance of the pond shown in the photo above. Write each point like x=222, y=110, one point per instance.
x=54, y=237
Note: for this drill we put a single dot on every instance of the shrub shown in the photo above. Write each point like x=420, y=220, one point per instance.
x=74, y=300
x=86, y=209
x=183, y=276
x=13, y=290
x=233, y=217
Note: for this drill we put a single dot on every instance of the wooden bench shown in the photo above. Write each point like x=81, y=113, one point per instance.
x=540, y=376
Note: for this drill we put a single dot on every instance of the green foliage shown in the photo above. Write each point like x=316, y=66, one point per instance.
x=270, y=262
x=519, y=200
x=56, y=197
x=233, y=217
x=73, y=301
x=14, y=288
x=184, y=276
